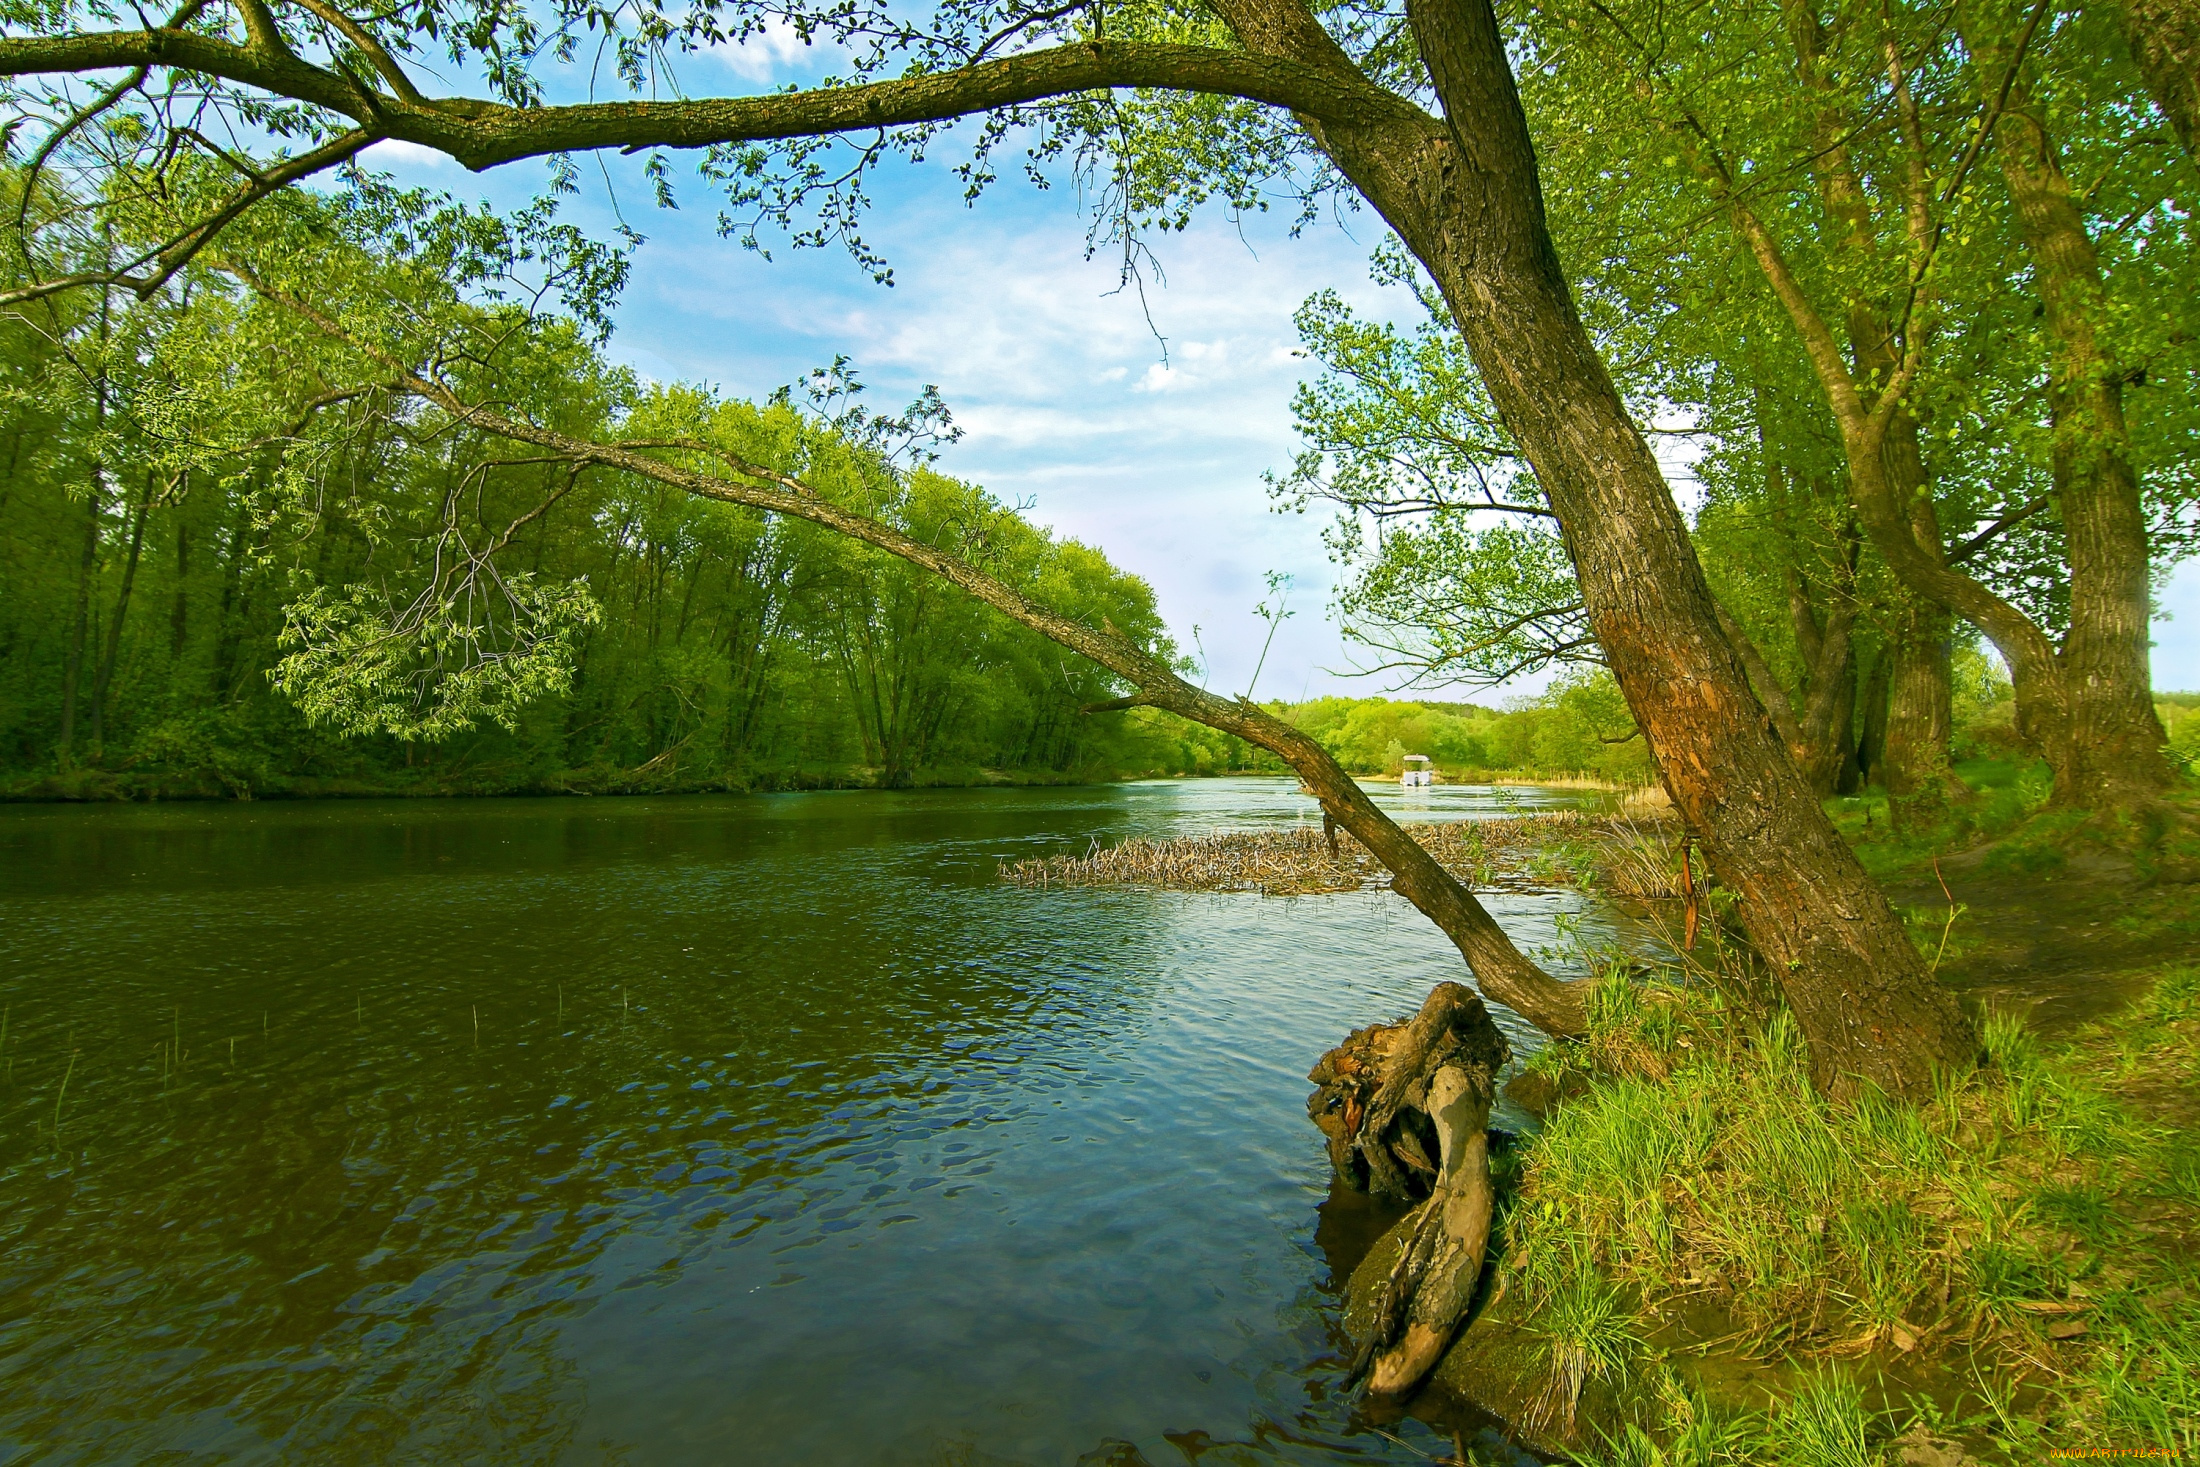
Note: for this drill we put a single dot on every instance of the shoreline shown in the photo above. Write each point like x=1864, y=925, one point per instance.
x=93, y=786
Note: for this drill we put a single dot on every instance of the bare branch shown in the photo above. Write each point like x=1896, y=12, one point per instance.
x=2000, y=527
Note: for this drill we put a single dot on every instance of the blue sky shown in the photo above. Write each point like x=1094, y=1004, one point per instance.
x=1070, y=403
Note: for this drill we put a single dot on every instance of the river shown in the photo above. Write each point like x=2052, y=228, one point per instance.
x=711, y=1129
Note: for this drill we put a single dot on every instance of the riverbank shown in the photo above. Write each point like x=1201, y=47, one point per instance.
x=1704, y=1261
x=96, y=786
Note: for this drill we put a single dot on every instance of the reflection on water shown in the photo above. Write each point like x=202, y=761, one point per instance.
x=702, y=1129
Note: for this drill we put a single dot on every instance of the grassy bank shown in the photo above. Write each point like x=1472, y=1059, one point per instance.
x=1721, y=1267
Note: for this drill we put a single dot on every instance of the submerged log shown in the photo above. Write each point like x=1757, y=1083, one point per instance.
x=1384, y=1099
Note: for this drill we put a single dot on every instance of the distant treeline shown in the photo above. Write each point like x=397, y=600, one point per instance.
x=1581, y=726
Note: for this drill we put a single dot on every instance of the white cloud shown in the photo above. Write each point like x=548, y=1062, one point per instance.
x=1160, y=377
x=396, y=153
x=774, y=54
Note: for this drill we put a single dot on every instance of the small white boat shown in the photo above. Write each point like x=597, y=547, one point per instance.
x=1417, y=773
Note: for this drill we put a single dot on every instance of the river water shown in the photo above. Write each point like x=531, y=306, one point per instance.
x=715, y=1130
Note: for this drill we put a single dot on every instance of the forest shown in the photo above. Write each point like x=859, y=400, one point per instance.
x=154, y=599
x=1805, y=396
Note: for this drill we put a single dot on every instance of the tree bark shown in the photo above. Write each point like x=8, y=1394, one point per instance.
x=2164, y=36
x=1824, y=739
x=1915, y=762
x=1871, y=739
x=105, y=677
x=1828, y=751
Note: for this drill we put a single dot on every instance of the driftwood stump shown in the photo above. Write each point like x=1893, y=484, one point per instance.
x=1406, y=1110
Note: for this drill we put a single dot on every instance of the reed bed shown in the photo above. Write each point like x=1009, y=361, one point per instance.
x=1628, y=854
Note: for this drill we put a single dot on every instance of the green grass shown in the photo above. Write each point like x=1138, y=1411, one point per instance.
x=2021, y=1239
x=2006, y=794
x=2007, y=812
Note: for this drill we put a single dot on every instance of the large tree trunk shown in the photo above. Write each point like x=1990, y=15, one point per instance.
x=2115, y=752
x=1829, y=752
x=2164, y=36
x=1871, y=737
x=1825, y=743
x=1468, y=203
x=1920, y=718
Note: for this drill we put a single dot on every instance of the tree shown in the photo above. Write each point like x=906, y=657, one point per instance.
x=1401, y=438
x=1459, y=186
x=1467, y=581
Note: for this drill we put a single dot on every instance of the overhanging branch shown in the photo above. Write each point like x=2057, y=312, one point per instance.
x=483, y=134
x=1556, y=1006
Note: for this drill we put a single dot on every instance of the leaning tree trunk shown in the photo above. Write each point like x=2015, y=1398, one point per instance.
x=1385, y=1099
x=1466, y=199
x=1556, y=1006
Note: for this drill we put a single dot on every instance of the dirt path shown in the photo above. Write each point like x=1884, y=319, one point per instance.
x=2071, y=947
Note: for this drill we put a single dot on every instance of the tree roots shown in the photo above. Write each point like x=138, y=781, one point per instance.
x=1386, y=1098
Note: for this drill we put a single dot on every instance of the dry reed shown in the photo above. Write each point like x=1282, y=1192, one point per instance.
x=1626, y=854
